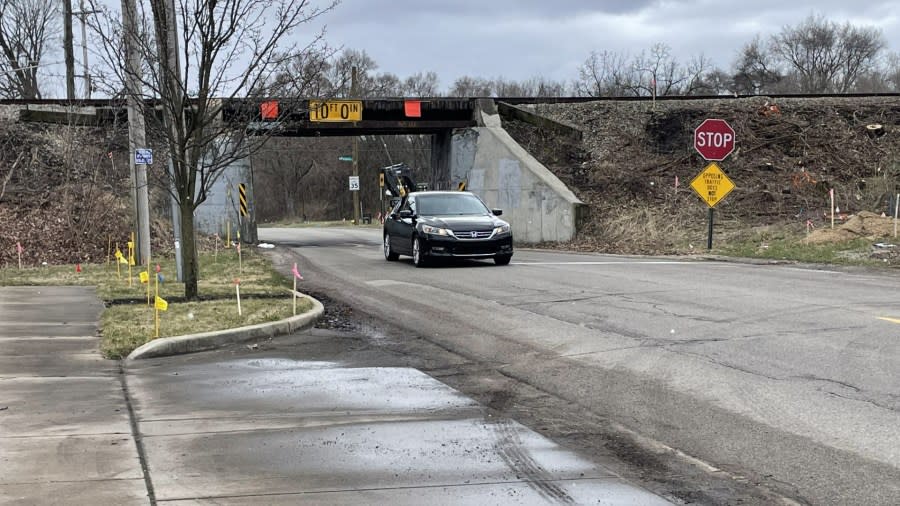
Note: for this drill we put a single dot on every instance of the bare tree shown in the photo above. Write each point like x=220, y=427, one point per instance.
x=656, y=72
x=384, y=85
x=26, y=27
x=827, y=57
x=228, y=49
x=756, y=69
x=602, y=75
x=421, y=85
x=338, y=73
x=891, y=72
x=652, y=73
x=467, y=86
x=701, y=77
x=303, y=75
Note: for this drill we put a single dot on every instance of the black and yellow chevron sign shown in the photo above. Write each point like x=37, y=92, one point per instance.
x=242, y=191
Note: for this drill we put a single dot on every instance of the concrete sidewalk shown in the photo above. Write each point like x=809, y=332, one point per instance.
x=312, y=418
x=65, y=432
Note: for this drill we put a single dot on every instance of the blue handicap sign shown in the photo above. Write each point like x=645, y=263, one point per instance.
x=143, y=156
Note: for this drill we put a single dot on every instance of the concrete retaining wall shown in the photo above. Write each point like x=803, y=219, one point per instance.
x=222, y=204
x=535, y=202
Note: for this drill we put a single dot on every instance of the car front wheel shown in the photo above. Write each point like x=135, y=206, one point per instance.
x=502, y=259
x=418, y=257
x=389, y=254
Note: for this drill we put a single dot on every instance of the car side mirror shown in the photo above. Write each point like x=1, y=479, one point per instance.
x=406, y=213
x=497, y=212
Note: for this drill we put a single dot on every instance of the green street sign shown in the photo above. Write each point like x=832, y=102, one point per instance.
x=345, y=158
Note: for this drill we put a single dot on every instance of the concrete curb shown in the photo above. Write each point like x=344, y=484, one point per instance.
x=179, y=345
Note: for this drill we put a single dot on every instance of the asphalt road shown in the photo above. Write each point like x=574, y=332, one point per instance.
x=779, y=379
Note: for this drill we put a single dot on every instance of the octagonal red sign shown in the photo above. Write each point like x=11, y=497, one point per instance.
x=714, y=139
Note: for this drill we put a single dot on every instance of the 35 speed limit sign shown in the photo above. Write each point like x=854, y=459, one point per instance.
x=354, y=183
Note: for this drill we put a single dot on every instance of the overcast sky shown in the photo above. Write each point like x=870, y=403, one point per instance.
x=520, y=39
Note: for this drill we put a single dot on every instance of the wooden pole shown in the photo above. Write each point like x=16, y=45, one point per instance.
x=156, y=291
x=148, y=281
x=896, y=210
x=237, y=292
x=832, y=207
x=354, y=92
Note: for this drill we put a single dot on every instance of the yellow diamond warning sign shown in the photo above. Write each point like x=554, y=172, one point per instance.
x=712, y=185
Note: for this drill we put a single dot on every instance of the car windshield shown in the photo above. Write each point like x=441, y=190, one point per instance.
x=450, y=204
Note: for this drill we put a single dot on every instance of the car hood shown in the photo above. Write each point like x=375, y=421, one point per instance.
x=468, y=222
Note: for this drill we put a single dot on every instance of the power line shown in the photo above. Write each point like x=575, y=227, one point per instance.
x=40, y=65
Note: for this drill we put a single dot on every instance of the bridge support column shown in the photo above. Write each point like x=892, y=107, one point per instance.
x=440, y=160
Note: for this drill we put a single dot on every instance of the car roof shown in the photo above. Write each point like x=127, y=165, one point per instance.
x=417, y=194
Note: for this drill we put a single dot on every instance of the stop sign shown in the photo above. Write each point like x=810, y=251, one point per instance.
x=714, y=139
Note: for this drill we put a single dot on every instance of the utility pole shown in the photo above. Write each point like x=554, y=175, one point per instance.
x=84, y=52
x=170, y=85
x=69, y=51
x=137, y=137
x=354, y=92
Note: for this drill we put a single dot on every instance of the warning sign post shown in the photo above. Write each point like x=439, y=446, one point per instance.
x=712, y=186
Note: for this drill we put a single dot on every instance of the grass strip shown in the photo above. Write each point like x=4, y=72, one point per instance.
x=128, y=321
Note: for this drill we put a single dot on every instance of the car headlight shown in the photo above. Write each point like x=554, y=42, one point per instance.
x=503, y=229
x=428, y=229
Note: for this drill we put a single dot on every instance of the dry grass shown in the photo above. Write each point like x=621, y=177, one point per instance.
x=127, y=326
x=128, y=322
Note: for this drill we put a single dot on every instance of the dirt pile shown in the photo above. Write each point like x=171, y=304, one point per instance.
x=865, y=225
x=636, y=161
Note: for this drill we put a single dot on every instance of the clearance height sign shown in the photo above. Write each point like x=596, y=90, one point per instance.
x=335, y=110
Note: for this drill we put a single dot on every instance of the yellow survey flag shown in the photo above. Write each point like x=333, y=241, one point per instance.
x=123, y=260
x=145, y=277
x=131, y=261
x=161, y=304
x=118, y=254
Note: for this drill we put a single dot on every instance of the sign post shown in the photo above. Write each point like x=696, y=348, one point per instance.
x=714, y=140
x=712, y=186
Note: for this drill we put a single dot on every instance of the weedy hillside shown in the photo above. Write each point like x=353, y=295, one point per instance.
x=636, y=160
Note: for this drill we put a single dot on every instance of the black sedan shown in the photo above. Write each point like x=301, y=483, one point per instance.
x=426, y=225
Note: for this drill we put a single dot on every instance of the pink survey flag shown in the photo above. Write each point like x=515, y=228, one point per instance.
x=19, y=248
x=296, y=272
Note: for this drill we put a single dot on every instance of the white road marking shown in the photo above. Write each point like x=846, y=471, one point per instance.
x=620, y=262
x=387, y=282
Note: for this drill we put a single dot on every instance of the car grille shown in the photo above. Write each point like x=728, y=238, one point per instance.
x=474, y=249
x=472, y=234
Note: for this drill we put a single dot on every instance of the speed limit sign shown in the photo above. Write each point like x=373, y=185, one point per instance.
x=354, y=183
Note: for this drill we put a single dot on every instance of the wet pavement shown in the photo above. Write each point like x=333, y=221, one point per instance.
x=268, y=426
x=65, y=433
x=313, y=418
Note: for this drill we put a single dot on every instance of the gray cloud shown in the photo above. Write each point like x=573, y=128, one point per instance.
x=519, y=39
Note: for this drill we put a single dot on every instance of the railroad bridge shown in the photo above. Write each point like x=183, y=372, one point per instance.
x=468, y=143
